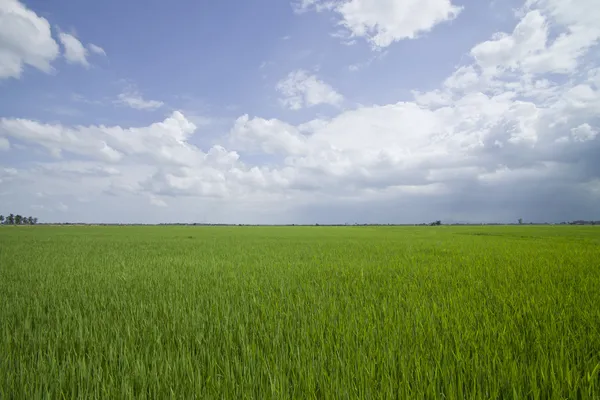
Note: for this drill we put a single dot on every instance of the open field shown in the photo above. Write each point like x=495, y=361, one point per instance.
x=300, y=312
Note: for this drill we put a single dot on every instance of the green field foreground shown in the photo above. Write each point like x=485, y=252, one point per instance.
x=300, y=312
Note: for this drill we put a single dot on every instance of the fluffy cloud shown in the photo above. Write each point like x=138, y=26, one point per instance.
x=299, y=90
x=501, y=138
x=403, y=153
x=132, y=98
x=157, y=159
x=383, y=22
x=529, y=48
x=495, y=124
x=75, y=52
x=25, y=39
x=584, y=133
x=161, y=142
x=266, y=136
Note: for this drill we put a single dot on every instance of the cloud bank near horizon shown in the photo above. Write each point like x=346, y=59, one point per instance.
x=510, y=132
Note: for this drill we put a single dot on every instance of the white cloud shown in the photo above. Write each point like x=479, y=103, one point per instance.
x=383, y=22
x=496, y=138
x=4, y=144
x=398, y=153
x=75, y=52
x=96, y=49
x=530, y=49
x=299, y=90
x=508, y=51
x=569, y=13
x=584, y=133
x=267, y=136
x=484, y=126
x=156, y=159
x=379, y=146
x=133, y=99
x=163, y=141
x=25, y=39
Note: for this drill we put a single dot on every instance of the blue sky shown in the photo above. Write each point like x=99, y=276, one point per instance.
x=299, y=111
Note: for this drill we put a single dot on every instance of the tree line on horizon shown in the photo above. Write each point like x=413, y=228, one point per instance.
x=18, y=219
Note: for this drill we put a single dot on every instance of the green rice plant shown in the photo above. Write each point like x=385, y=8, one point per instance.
x=300, y=312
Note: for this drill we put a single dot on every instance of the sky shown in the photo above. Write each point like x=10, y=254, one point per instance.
x=300, y=111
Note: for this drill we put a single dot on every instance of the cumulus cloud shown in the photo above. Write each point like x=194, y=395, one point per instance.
x=300, y=89
x=266, y=136
x=529, y=48
x=163, y=141
x=160, y=157
x=499, y=139
x=383, y=22
x=75, y=52
x=584, y=133
x=499, y=122
x=25, y=39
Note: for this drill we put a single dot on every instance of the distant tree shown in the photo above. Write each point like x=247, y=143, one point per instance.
x=520, y=221
x=18, y=219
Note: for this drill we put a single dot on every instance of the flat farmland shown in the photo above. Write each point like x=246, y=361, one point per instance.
x=300, y=312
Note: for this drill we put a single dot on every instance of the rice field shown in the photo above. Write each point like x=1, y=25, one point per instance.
x=300, y=312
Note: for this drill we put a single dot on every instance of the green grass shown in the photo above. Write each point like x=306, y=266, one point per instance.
x=300, y=312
